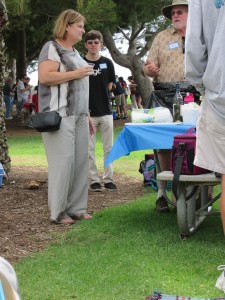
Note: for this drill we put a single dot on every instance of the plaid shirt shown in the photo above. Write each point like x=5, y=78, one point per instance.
x=167, y=53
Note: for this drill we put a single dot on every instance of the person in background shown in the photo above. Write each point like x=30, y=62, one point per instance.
x=132, y=86
x=165, y=63
x=100, y=108
x=119, y=94
x=27, y=83
x=138, y=97
x=124, y=87
x=35, y=98
x=61, y=68
x=205, y=54
x=15, y=99
x=22, y=94
x=8, y=94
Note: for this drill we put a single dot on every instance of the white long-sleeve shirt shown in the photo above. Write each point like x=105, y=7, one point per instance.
x=205, y=51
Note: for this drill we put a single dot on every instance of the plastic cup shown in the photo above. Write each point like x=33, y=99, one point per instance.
x=92, y=65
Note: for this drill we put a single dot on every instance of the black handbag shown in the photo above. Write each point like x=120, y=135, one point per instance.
x=47, y=121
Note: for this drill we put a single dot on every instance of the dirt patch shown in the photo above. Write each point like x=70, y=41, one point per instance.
x=24, y=215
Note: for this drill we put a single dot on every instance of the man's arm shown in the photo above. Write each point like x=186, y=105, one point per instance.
x=196, y=56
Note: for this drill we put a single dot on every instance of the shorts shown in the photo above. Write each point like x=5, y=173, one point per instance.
x=120, y=100
x=210, y=140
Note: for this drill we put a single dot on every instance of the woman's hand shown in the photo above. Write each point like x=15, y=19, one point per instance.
x=48, y=73
x=84, y=71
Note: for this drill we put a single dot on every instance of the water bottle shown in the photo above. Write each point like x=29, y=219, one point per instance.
x=177, y=102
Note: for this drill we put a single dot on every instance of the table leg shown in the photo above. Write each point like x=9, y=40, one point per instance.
x=187, y=219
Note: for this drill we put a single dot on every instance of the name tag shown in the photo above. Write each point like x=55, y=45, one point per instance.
x=103, y=66
x=173, y=46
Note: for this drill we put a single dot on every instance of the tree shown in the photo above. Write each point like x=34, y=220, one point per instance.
x=30, y=26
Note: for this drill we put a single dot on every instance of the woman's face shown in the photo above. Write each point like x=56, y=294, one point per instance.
x=75, y=31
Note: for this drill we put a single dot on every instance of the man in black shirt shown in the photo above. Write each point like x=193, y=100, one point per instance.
x=100, y=83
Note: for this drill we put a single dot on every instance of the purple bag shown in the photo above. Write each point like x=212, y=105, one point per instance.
x=184, y=146
x=182, y=159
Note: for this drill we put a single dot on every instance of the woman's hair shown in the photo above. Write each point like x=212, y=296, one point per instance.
x=67, y=17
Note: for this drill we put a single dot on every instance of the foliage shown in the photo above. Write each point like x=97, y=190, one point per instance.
x=36, y=18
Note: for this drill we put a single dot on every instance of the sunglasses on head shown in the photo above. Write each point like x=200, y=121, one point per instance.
x=93, y=42
x=178, y=12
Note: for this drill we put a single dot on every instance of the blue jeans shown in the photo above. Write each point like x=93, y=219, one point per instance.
x=8, y=106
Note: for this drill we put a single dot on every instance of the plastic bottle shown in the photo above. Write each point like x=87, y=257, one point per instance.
x=177, y=102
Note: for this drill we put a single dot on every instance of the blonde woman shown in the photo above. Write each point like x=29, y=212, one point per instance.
x=64, y=85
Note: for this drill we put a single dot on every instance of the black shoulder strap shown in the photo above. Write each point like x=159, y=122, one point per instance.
x=179, y=162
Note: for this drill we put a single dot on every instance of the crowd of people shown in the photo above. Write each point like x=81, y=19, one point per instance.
x=21, y=96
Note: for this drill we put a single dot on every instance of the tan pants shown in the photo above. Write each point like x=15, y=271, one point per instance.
x=105, y=125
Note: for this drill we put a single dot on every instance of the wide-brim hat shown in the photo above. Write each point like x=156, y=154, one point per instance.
x=166, y=10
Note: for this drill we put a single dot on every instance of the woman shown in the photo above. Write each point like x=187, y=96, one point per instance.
x=64, y=86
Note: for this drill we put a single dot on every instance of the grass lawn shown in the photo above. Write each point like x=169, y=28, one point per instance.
x=125, y=252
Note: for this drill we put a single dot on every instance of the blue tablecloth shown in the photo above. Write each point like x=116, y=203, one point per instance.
x=137, y=136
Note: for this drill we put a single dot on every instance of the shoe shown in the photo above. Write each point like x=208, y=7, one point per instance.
x=118, y=118
x=63, y=221
x=82, y=216
x=162, y=205
x=96, y=187
x=110, y=186
x=125, y=117
x=9, y=118
x=220, y=283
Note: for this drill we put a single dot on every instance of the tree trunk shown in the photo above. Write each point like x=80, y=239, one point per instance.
x=21, y=65
x=4, y=157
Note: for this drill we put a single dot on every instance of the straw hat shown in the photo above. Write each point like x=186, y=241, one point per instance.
x=166, y=10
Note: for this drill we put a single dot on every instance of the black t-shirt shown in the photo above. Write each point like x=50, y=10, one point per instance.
x=99, y=96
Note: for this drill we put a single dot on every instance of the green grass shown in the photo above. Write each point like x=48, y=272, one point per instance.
x=125, y=252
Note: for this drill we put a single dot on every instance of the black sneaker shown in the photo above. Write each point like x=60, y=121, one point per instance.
x=110, y=186
x=96, y=187
x=162, y=205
